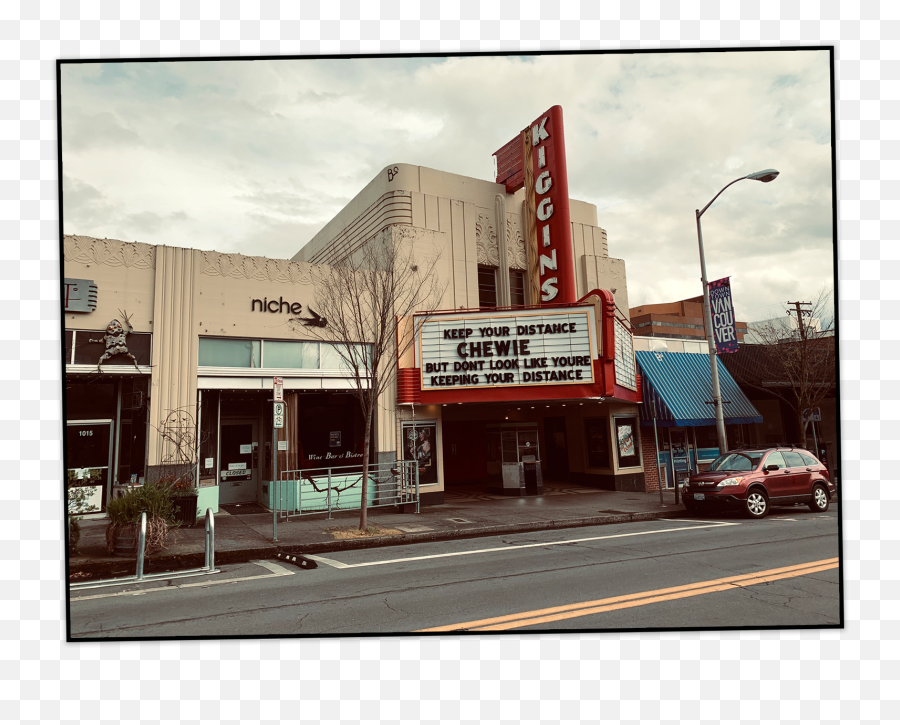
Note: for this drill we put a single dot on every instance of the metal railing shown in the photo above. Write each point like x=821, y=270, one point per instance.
x=209, y=566
x=339, y=488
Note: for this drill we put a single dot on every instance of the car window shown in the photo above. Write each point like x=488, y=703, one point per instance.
x=809, y=460
x=793, y=460
x=735, y=462
x=775, y=458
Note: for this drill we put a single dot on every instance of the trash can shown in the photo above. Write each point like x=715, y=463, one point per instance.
x=530, y=475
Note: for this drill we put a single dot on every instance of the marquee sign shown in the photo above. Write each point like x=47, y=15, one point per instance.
x=535, y=347
x=537, y=160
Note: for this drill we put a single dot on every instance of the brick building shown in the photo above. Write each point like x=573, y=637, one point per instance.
x=682, y=320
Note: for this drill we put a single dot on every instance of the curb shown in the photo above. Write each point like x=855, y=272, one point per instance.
x=326, y=547
x=175, y=562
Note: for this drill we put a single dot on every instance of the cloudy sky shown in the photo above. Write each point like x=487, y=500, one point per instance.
x=256, y=156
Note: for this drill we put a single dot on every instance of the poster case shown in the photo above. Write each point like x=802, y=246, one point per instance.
x=419, y=441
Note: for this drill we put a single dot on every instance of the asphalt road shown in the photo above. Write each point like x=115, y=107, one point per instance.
x=723, y=572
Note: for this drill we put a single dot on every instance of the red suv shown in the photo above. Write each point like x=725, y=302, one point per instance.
x=753, y=479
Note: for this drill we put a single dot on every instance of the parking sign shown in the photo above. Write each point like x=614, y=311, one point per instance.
x=278, y=389
x=278, y=410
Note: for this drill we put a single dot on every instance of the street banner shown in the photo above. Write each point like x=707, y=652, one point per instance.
x=722, y=311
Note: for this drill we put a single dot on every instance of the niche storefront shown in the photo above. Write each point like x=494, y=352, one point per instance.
x=193, y=342
x=323, y=423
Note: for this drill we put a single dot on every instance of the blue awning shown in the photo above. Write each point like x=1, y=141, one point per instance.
x=679, y=383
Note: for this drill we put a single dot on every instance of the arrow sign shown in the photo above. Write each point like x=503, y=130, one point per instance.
x=315, y=321
x=278, y=410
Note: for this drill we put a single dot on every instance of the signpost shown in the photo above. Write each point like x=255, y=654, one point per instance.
x=277, y=422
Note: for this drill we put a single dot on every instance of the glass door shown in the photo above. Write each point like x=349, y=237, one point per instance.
x=679, y=446
x=239, y=468
x=89, y=452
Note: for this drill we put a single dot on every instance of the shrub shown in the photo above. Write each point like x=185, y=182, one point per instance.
x=154, y=499
x=74, y=534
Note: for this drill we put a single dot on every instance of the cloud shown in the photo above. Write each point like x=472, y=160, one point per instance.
x=151, y=223
x=262, y=154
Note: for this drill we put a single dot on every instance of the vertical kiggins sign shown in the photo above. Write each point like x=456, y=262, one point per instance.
x=537, y=161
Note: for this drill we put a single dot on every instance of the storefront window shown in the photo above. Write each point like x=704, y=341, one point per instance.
x=627, y=442
x=331, y=358
x=276, y=354
x=706, y=436
x=738, y=435
x=90, y=400
x=291, y=354
x=596, y=439
x=330, y=430
x=227, y=353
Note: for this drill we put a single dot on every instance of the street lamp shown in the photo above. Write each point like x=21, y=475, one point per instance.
x=765, y=176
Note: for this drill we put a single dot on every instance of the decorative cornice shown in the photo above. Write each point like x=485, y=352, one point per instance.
x=111, y=252
x=515, y=243
x=486, y=241
x=136, y=255
x=219, y=264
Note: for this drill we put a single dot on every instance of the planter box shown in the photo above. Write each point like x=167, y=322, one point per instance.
x=185, y=509
x=125, y=542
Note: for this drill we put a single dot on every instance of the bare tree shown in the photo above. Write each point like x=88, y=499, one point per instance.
x=363, y=307
x=795, y=359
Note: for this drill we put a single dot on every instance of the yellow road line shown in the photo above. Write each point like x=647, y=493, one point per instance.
x=568, y=611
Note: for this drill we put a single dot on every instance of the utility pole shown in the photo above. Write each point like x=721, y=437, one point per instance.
x=800, y=313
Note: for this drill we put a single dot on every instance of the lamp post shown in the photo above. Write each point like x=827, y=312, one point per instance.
x=765, y=176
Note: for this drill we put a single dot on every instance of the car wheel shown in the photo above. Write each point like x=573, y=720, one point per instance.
x=757, y=505
x=819, y=501
x=689, y=505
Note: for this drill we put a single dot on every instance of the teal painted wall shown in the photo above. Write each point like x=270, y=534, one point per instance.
x=302, y=495
x=208, y=498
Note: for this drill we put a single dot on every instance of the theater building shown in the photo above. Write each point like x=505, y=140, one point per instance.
x=525, y=373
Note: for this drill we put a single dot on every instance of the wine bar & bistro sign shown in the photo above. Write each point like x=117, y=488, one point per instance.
x=548, y=346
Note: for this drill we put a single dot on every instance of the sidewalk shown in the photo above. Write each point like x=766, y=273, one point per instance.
x=245, y=537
